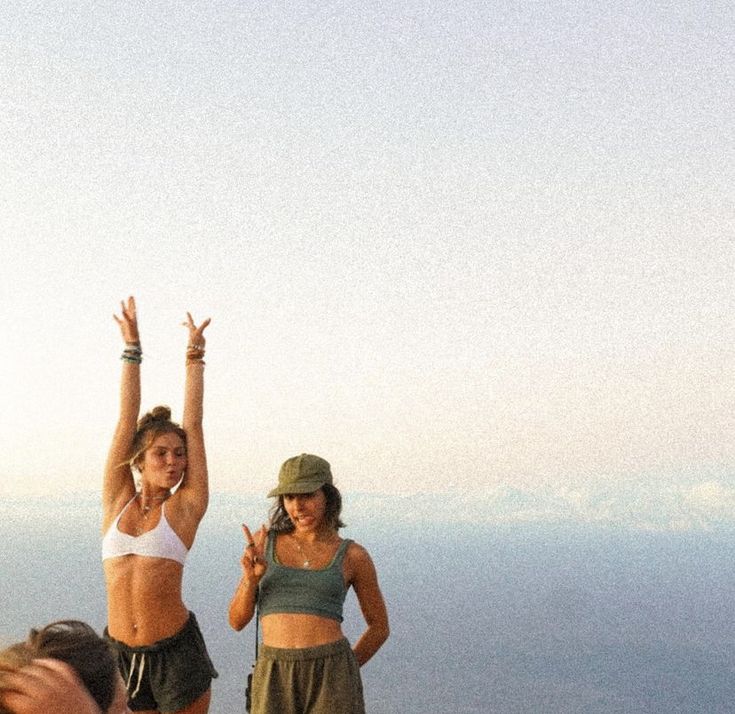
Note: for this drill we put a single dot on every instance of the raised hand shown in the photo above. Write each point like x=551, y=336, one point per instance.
x=243, y=603
x=253, y=558
x=196, y=334
x=128, y=321
x=46, y=686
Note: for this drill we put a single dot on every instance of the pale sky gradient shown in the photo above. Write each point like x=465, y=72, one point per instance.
x=444, y=245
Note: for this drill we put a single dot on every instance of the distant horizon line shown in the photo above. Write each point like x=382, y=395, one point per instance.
x=700, y=507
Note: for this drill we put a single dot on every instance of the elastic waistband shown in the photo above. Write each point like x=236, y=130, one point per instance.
x=301, y=653
x=190, y=625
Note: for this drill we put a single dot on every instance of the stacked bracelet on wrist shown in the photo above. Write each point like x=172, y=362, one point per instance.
x=194, y=354
x=132, y=353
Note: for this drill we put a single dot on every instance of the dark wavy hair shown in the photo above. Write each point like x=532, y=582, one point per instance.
x=279, y=521
x=150, y=427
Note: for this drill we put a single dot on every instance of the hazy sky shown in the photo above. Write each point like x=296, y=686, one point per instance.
x=445, y=245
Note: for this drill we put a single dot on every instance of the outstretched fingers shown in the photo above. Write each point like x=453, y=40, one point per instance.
x=196, y=333
x=253, y=548
x=128, y=320
x=129, y=310
x=253, y=558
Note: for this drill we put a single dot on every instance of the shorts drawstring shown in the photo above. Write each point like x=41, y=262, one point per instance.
x=167, y=674
x=141, y=667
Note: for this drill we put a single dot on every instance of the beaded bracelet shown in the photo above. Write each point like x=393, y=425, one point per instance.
x=132, y=353
x=194, y=355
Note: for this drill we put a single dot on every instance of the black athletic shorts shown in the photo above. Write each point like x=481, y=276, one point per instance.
x=169, y=674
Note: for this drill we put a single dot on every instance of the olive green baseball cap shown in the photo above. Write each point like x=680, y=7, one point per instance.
x=302, y=474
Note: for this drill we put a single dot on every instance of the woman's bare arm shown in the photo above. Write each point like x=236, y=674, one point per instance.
x=118, y=484
x=195, y=486
x=372, y=605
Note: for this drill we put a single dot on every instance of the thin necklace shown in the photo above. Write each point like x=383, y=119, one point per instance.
x=306, y=564
x=307, y=559
x=146, y=509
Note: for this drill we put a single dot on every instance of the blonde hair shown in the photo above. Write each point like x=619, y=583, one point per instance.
x=150, y=426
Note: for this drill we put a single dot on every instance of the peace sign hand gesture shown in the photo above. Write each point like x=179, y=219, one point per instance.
x=128, y=322
x=243, y=603
x=253, y=558
x=196, y=334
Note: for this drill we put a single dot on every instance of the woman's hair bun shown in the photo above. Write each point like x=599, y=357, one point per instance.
x=151, y=425
x=157, y=415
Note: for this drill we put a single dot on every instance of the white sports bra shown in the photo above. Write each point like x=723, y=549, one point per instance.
x=161, y=542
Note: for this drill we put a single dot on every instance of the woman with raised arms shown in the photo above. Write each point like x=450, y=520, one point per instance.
x=299, y=571
x=148, y=533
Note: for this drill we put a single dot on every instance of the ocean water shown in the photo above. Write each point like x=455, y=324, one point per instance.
x=514, y=619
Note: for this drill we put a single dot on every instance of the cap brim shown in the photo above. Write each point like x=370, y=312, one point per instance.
x=304, y=487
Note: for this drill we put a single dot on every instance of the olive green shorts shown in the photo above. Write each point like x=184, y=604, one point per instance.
x=313, y=680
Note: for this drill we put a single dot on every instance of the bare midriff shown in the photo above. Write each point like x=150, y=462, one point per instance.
x=297, y=630
x=144, y=602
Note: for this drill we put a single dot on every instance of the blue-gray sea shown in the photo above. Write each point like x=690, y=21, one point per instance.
x=514, y=618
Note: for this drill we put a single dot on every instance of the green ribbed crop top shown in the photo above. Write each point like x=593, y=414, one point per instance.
x=298, y=590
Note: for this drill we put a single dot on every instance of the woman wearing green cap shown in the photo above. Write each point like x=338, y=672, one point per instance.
x=299, y=571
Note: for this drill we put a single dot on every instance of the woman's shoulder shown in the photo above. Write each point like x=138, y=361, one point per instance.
x=356, y=553
x=358, y=565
